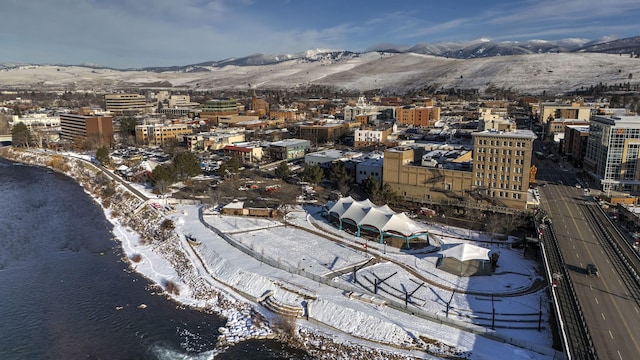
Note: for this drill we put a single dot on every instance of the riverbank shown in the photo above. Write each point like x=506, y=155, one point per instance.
x=151, y=251
x=215, y=277
x=156, y=254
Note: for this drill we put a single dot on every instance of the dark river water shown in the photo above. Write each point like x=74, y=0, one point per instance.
x=62, y=281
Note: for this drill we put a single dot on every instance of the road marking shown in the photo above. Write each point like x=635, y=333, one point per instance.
x=597, y=301
x=574, y=247
x=578, y=256
x=636, y=309
x=610, y=334
x=604, y=318
x=620, y=356
x=608, y=261
x=619, y=282
x=602, y=251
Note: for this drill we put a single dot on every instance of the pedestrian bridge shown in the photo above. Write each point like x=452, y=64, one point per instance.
x=5, y=140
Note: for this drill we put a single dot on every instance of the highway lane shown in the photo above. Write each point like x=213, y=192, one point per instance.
x=611, y=314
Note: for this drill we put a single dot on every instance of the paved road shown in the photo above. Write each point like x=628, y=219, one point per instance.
x=611, y=313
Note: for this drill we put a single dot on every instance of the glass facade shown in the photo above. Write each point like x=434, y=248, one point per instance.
x=612, y=151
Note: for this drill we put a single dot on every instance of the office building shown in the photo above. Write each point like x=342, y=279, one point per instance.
x=160, y=134
x=421, y=116
x=90, y=127
x=611, y=156
x=127, y=104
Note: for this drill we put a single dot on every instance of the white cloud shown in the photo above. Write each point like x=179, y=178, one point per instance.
x=125, y=33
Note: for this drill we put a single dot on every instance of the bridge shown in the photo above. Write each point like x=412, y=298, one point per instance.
x=5, y=140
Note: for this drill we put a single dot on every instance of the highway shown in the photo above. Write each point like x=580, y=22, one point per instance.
x=610, y=301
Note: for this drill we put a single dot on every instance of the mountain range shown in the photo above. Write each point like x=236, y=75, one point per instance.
x=526, y=67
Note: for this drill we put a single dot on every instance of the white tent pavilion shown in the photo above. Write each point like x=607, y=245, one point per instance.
x=366, y=215
x=469, y=259
x=464, y=252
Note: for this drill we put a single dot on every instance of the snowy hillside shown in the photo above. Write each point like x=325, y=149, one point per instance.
x=390, y=72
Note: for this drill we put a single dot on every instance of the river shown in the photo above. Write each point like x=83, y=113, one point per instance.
x=66, y=293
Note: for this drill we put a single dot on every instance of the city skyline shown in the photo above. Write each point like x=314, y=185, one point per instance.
x=128, y=34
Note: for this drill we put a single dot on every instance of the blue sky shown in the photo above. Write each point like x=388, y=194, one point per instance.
x=139, y=33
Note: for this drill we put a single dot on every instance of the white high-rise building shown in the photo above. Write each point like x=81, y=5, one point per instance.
x=611, y=157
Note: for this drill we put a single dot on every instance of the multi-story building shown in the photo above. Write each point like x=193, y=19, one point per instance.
x=246, y=152
x=127, y=104
x=36, y=121
x=557, y=126
x=575, y=143
x=232, y=120
x=369, y=167
x=213, y=109
x=183, y=101
x=423, y=116
x=326, y=158
x=498, y=124
x=324, y=131
x=259, y=107
x=496, y=172
x=576, y=110
x=43, y=127
x=160, y=134
x=613, y=149
x=289, y=149
x=493, y=113
x=94, y=128
x=362, y=107
x=368, y=136
x=286, y=115
x=215, y=140
x=502, y=165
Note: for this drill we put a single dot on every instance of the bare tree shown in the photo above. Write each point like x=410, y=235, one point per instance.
x=493, y=225
x=38, y=136
x=4, y=125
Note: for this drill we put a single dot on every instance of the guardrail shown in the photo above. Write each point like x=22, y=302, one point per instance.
x=400, y=306
x=577, y=342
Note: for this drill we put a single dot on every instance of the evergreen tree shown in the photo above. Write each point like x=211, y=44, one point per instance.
x=186, y=165
x=340, y=176
x=311, y=174
x=102, y=155
x=163, y=176
x=371, y=187
x=282, y=171
x=20, y=135
x=128, y=126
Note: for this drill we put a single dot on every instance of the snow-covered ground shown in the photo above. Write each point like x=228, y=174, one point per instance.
x=231, y=262
x=317, y=276
x=532, y=74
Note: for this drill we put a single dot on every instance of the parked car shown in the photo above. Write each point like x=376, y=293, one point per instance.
x=592, y=270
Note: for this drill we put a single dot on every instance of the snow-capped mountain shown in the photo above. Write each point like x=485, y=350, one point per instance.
x=622, y=46
x=530, y=67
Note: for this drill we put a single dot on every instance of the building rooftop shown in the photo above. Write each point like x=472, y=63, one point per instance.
x=289, y=142
x=335, y=154
x=580, y=128
x=523, y=133
x=620, y=121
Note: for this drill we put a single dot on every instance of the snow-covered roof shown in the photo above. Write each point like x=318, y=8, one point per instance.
x=234, y=205
x=365, y=213
x=464, y=252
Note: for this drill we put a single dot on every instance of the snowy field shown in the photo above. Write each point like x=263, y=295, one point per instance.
x=516, y=316
x=530, y=74
x=361, y=317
